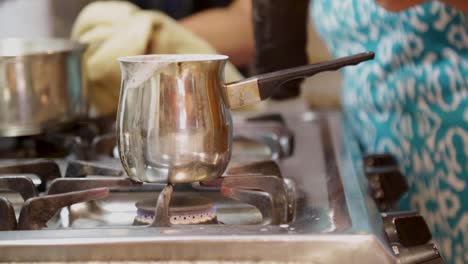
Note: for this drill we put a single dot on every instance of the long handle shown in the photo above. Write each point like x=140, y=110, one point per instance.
x=262, y=86
x=269, y=82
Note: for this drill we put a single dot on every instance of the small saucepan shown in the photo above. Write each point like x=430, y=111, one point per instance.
x=41, y=83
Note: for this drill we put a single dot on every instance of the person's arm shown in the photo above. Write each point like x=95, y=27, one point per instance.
x=399, y=5
x=228, y=29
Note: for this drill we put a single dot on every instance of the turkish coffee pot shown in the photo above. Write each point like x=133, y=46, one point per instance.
x=174, y=121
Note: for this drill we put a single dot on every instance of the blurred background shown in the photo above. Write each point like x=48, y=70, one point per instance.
x=55, y=18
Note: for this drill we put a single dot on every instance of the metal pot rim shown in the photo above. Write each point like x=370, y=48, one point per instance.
x=152, y=58
x=25, y=47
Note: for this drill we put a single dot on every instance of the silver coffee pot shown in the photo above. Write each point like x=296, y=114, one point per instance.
x=174, y=122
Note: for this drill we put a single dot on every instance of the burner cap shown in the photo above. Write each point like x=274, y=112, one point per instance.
x=183, y=210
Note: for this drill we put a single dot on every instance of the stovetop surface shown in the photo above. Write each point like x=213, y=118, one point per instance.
x=333, y=218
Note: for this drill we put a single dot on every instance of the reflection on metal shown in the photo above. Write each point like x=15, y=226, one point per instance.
x=336, y=192
x=293, y=195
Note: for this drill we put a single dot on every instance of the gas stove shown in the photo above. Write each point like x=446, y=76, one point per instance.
x=298, y=189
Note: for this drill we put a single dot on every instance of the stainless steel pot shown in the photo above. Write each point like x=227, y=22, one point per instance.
x=41, y=82
x=174, y=123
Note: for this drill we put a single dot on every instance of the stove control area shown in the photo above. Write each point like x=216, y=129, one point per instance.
x=409, y=237
x=407, y=228
x=407, y=232
x=386, y=182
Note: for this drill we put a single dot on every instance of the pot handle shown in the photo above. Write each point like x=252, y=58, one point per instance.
x=260, y=87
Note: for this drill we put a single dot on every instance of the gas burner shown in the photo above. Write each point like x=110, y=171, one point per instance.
x=184, y=209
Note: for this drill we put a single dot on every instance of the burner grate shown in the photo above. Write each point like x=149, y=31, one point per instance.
x=46, y=170
x=252, y=184
x=38, y=210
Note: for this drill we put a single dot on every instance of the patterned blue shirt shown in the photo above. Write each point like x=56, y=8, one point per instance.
x=412, y=100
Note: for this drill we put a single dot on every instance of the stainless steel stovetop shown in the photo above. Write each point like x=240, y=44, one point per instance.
x=322, y=204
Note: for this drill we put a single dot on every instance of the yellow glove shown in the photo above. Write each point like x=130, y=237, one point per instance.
x=114, y=29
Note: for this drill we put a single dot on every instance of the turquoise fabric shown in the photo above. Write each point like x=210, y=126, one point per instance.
x=412, y=100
